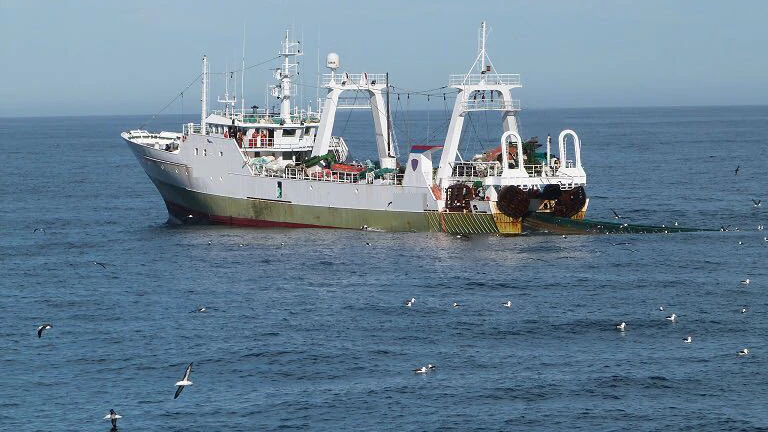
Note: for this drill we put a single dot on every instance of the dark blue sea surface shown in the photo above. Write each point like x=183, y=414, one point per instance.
x=313, y=335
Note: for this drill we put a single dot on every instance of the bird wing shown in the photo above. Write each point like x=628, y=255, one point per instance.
x=42, y=328
x=615, y=214
x=179, y=389
x=187, y=372
x=101, y=264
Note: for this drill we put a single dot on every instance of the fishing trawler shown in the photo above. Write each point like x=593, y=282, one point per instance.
x=253, y=167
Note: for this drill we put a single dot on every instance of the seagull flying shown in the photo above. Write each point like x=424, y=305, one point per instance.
x=507, y=304
x=745, y=281
x=113, y=416
x=756, y=202
x=184, y=381
x=43, y=328
x=744, y=310
x=99, y=263
x=621, y=327
x=409, y=302
x=672, y=318
x=200, y=309
x=744, y=352
x=736, y=171
x=615, y=215
x=43, y=229
x=687, y=339
x=661, y=308
x=456, y=304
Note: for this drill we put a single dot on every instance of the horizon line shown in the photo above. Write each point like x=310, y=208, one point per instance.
x=413, y=109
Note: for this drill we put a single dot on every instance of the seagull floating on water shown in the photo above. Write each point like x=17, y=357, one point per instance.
x=507, y=304
x=456, y=304
x=745, y=281
x=744, y=310
x=744, y=352
x=672, y=318
x=661, y=308
x=621, y=326
x=113, y=416
x=409, y=302
x=687, y=339
x=43, y=328
x=424, y=369
x=184, y=381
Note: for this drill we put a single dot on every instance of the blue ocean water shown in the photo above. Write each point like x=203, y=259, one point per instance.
x=313, y=335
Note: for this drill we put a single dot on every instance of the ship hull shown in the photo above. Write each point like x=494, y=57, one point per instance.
x=186, y=206
x=197, y=190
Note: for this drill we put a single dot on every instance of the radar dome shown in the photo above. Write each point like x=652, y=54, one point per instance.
x=332, y=61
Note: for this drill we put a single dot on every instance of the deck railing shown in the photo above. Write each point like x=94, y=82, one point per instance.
x=487, y=78
x=266, y=143
x=299, y=173
x=363, y=79
x=488, y=104
x=475, y=170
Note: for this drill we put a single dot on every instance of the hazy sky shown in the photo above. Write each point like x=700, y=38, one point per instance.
x=132, y=57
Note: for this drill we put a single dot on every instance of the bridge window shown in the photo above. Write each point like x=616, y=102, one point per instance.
x=289, y=132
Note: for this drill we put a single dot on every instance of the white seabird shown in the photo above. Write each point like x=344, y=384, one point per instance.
x=745, y=281
x=507, y=304
x=744, y=309
x=456, y=304
x=184, y=381
x=43, y=328
x=201, y=309
x=661, y=308
x=672, y=318
x=621, y=326
x=744, y=352
x=409, y=302
x=687, y=339
x=421, y=370
x=113, y=416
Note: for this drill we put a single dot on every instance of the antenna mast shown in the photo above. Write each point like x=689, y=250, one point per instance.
x=482, y=46
x=284, y=74
x=242, y=78
x=204, y=96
